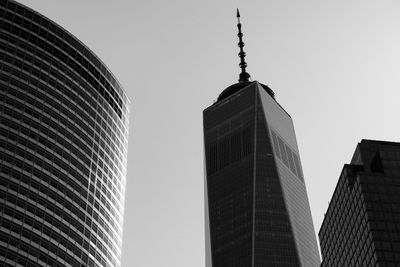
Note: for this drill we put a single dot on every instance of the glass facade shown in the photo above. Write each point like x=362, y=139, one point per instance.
x=362, y=224
x=257, y=211
x=63, y=147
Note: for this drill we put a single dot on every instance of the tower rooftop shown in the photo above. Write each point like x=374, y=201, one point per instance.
x=240, y=85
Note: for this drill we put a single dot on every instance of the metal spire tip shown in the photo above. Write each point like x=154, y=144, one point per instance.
x=243, y=76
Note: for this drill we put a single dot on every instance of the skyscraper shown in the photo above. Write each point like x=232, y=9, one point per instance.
x=362, y=224
x=63, y=147
x=256, y=205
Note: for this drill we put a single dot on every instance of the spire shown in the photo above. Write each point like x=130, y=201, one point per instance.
x=243, y=76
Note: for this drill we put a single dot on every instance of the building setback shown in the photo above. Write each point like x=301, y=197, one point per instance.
x=256, y=206
x=63, y=147
x=362, y=224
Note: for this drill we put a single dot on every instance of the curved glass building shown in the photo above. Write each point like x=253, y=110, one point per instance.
x=63, y=147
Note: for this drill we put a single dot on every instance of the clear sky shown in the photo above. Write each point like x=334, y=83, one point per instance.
x=334, y=66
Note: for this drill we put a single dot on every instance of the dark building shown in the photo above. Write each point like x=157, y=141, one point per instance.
x=256, y=206
x=63, y=147
x=362, y=224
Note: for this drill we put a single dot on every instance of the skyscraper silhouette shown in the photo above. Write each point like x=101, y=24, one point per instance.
x=362, y=224
x=63, y=146
x=257, y=210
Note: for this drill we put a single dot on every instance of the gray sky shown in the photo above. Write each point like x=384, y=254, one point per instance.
x=334, y=66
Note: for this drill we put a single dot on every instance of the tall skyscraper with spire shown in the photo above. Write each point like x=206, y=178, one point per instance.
x=256, y=206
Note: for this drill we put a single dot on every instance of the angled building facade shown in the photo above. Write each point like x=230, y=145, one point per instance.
x=256, y=205
x=63, y=147
x=362, y=224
